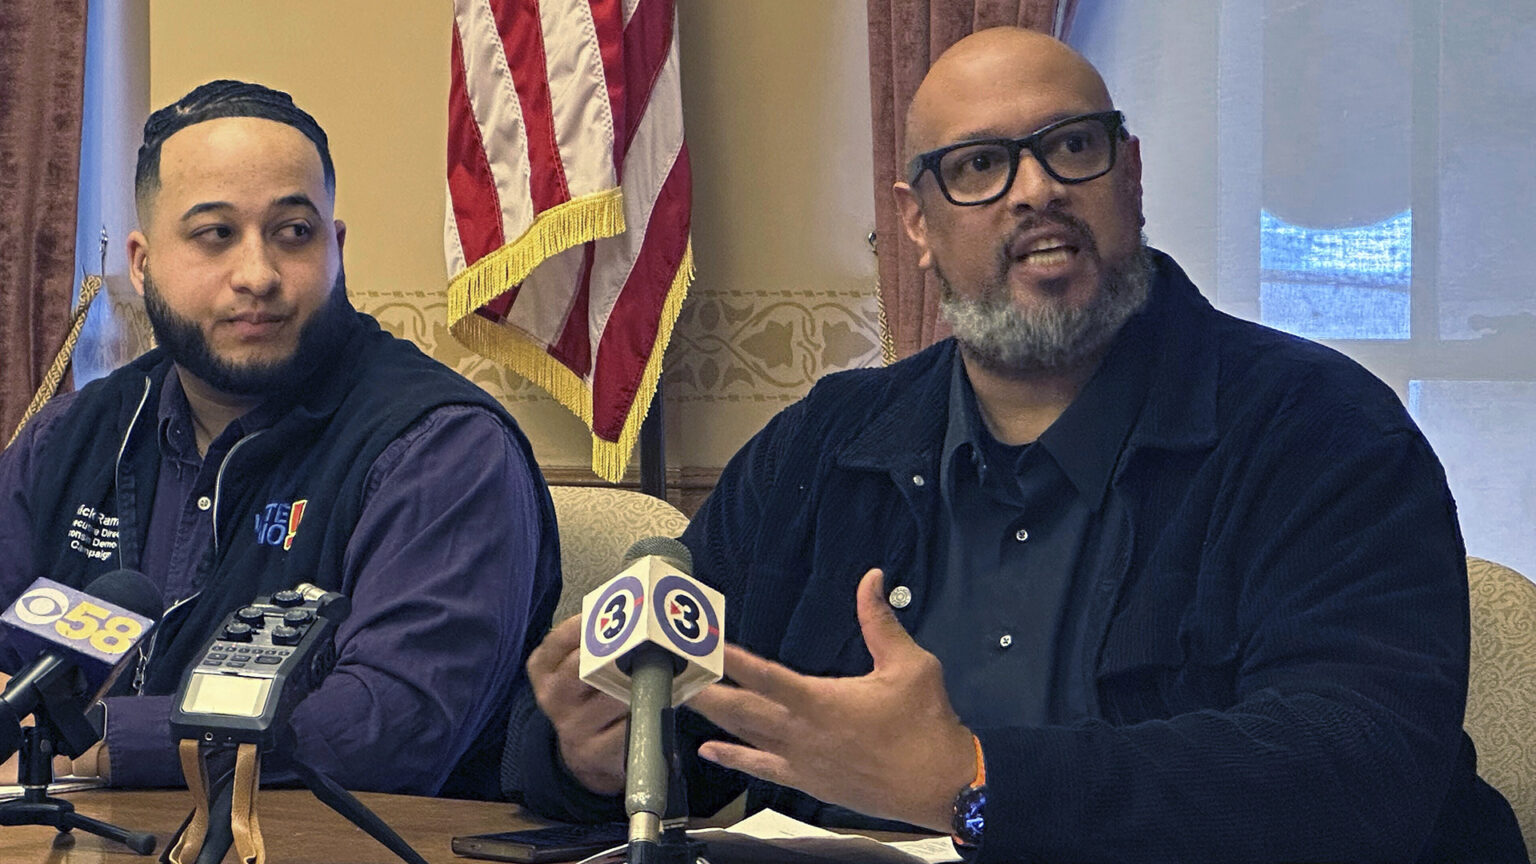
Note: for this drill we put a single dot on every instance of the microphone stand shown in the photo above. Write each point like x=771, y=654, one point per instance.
x=675, y=846
x=35, y=773
x=655, y=797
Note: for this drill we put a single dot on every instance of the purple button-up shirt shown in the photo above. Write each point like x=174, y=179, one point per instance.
x=443, y=558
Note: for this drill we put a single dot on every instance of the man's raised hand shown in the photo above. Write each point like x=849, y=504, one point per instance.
x=886, y=744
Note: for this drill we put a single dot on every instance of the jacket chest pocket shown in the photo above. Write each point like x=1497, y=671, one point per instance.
x=867, y=526
x=822, y=634
x=1163, y=654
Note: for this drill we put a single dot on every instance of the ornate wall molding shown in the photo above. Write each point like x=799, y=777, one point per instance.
x=768, y=346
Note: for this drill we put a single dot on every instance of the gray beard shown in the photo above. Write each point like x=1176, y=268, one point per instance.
x=1007, y=340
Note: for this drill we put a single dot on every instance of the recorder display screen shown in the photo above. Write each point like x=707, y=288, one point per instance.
x=213, y=693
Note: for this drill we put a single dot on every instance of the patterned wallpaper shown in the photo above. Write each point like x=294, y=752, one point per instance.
x=421, y=316
x=729, y=346
x=769, y=346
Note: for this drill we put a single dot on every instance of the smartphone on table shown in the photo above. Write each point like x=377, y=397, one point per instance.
x=540, y=845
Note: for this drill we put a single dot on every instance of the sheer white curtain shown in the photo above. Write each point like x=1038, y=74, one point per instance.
x=1361, y=173
x=116, y=103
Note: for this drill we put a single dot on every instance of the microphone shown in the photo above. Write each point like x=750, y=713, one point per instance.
x=651, y=636
x=83, y=640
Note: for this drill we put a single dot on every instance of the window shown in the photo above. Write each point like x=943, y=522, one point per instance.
x=1358, y=173
x=1336, y=283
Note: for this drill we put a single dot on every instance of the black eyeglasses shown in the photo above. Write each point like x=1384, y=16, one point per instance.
x=1074, y=150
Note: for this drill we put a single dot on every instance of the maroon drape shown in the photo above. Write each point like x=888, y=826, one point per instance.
x=905, y=37
x=42, y=88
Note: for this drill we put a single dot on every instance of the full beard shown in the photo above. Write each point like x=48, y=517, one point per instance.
x=1007, y=340
x=188, y=346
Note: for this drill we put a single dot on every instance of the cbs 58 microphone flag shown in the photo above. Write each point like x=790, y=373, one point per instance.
x=569, y=201
x=96, y=628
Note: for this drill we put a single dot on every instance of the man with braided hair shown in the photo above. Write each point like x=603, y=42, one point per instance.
x=279, y=436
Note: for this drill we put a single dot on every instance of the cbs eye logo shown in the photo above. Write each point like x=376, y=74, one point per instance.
x=614, y=616
x=107, y=633
x=42, y=606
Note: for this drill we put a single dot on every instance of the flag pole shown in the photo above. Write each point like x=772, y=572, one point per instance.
x=653, y=448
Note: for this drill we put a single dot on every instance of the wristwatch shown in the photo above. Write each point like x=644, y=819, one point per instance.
x=969, y=819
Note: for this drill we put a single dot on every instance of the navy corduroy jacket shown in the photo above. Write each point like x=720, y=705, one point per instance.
x=1278, y=632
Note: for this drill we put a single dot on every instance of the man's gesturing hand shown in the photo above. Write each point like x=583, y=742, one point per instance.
x=887, y=744
x=589, y=722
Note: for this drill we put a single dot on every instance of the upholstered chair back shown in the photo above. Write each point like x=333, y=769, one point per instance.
x=597, y=525
x=1501, y=693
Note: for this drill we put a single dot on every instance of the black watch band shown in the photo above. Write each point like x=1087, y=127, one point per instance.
x=969, y=819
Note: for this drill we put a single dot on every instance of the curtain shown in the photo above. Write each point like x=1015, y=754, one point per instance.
x=42, y=65
x=905, y=37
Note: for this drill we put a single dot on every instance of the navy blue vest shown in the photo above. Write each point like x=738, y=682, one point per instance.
x=96, y=477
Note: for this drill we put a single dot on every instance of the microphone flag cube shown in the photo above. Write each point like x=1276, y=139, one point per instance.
x=652, y=602
x=99, y=635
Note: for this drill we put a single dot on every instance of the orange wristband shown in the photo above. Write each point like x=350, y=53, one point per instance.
x=966, y=819
x=981, y=764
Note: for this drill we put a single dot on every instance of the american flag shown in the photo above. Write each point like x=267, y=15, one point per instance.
x=569, y=201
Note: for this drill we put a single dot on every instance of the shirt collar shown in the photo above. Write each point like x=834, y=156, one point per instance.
x=174, y=419
x=1183, y=344
x=1086, y=440
x=961, y=433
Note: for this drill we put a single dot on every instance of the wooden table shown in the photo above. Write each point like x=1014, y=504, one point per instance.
x=298, y=829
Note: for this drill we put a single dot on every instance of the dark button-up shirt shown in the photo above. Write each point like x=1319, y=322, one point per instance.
x=436, y=622
x=181, y=525
x=1006, y=595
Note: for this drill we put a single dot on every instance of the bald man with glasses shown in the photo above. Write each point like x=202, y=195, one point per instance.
x=1108, y=576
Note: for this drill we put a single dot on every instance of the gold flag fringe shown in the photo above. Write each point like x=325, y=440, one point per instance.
x=610, y=458
x=517, y=351
x=590, y=217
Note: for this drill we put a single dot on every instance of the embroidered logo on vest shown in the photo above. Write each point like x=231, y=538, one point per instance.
x=278, y=522
x=93, y=533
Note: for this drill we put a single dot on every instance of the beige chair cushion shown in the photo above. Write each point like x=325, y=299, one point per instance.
x=597, y=525
x=1501, y=693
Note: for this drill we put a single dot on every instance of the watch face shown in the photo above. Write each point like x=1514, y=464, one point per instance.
x=969, y=821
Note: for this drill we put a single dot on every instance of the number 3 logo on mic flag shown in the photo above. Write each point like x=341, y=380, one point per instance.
x=686, y=616
x=614, y=616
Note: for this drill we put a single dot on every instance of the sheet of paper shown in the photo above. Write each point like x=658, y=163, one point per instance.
x=934, y=850
x=771, y=825
x=769, y=837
